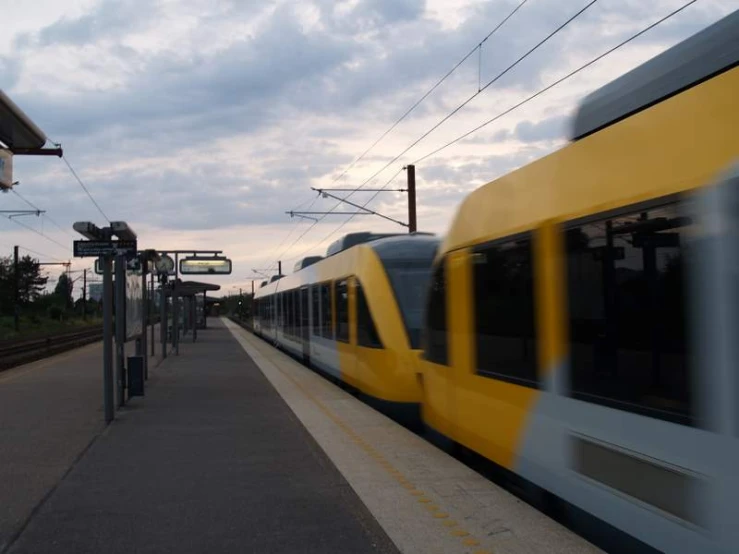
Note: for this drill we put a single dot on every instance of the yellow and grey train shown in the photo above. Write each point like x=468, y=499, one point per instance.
x=581, y=320
x=357, y=315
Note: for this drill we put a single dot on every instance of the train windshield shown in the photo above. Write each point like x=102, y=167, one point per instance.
x=407, y=262
x=409, y=279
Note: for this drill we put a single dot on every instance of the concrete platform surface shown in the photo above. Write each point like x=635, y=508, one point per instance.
x=50, y=412
x=211, y=460
x=426, y=501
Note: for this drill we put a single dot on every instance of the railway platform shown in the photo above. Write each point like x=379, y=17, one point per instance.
x=239, y=448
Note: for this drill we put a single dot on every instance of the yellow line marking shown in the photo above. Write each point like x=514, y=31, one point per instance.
x=449, y=523
x=443, y=517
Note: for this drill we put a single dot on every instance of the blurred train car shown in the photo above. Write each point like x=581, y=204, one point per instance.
x=581, y=329
x=356, y=315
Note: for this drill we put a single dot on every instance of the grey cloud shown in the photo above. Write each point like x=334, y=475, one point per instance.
x=547, y=129
x=285, y=71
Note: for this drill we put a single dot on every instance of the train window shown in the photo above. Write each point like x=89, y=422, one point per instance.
x=627, y=315
x=327, y=324
x=290, y=317
x=366, y=330
x=295, y=331
x=435, y=332
x=315, y=295
x=341, y=296
x=504, y=310
x=304, y=315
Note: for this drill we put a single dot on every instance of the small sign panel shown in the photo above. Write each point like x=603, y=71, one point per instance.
x=97, y=248
x=205, y=266
x=6, y=169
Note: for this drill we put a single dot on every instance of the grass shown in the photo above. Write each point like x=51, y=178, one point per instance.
x=39, y=326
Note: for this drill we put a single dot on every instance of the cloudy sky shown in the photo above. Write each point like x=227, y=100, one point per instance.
x=201, y=122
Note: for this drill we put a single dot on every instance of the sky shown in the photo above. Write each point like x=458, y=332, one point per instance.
x=201, y=122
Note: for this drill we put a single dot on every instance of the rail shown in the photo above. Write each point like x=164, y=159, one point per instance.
x=16, y=352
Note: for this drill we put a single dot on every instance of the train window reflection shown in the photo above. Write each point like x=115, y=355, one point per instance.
x=435, y=338
x=327, y=325
x=504, y=311
x=366, y=330
x=409, y=280
x=342, y=311
x=627, y=312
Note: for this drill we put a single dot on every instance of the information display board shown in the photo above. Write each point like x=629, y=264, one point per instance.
x=205, y=266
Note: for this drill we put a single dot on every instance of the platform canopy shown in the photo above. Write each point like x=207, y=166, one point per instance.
x=16, y=128
x=190, y=288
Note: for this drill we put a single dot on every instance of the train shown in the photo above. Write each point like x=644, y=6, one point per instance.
x=576, y=327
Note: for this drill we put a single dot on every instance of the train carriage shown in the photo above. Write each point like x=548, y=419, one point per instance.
x=582, y=319
x=356, y=316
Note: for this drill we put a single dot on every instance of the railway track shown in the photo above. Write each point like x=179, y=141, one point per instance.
x=16, y=352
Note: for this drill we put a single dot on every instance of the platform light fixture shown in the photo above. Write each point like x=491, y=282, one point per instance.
x=89, y=230
x=122, y=230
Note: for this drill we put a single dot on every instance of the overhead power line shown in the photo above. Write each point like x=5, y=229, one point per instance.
x=40, y=253
x=47, y=237
x=45, y=215
x=477, y=47
x=432, y=89
x=77, y=177
x=454, y=111
x=528, y=99
x=557, y=82
x=480, y=90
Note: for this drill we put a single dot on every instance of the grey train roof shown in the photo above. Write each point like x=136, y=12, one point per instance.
x=404, y=247
x=713, y=50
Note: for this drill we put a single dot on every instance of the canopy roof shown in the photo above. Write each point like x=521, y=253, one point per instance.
x=16, y=128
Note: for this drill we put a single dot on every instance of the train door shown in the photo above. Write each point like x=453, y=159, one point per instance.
x=305, y=322
x=715, y=322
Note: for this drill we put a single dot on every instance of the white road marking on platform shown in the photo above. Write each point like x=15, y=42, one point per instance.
x=426, y=501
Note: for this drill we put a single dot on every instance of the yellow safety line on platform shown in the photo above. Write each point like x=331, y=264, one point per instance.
x=435, y=512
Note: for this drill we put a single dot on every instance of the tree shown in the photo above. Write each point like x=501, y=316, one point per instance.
x=63, y=290
x=31, y=282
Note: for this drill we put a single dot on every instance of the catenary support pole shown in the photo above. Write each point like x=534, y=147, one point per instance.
x=411, y=170
x=17, y=289
x=108, y=380
x=120, y=324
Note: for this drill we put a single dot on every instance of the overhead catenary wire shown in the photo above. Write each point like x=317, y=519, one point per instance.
x=457, y=109
x=432, y=89
x=87, y=191
x=509, y=110
x=557, y=82
x=478, y=47
x=44, y=215
x=47, y=237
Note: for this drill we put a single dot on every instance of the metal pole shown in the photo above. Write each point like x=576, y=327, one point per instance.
x=16, y=278
x=176, y=308
x=145, y=316
x=193, y=318
x=84, y=294
x=120, y=323
x=205, y=307
x=163, y=323
x=150, y=311
x=279, y=268
x=411, y=198
x=108, y=382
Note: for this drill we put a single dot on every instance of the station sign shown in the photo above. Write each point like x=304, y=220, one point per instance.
x=97, y=248
x=205, y=266
x=132, y=265
x=6, y=168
